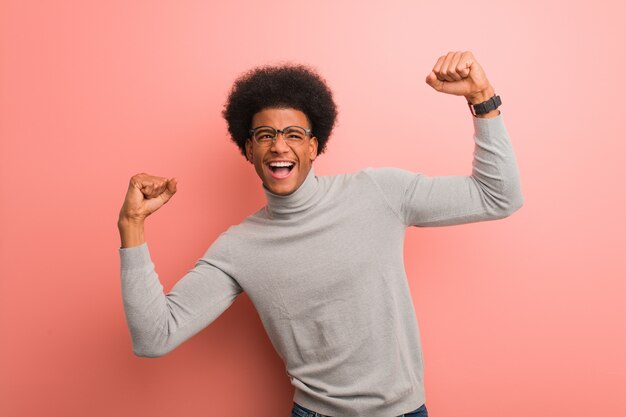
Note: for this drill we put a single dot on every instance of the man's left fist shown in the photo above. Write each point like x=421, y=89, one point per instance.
x=459, y=73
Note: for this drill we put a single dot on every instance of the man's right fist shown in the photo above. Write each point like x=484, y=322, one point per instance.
x=146, y=194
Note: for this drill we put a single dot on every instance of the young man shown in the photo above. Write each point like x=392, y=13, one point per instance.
x=323, y=260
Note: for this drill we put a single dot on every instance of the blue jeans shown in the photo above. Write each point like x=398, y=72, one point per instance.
x=299, y=411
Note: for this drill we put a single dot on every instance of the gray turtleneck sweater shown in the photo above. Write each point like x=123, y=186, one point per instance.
x=324, y=269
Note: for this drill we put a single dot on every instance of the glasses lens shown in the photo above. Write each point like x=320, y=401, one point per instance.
x=264, y=134
x=295, y=134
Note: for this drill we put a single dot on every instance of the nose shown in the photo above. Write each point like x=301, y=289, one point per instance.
x=280, y=145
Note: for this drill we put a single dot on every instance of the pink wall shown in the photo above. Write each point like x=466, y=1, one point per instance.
x=523, y=316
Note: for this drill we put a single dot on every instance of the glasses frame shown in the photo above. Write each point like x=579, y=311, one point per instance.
x=307, y=132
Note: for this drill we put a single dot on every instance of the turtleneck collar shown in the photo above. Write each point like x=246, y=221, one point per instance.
x=299, y=200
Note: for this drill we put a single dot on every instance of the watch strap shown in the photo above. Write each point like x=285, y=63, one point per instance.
x=486, y=106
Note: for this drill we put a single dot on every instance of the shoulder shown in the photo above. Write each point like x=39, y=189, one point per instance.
x=383, y=179
x=343, y=184
x=351, y=178
x=228, y=242
x=389, y=179
x=388, y=174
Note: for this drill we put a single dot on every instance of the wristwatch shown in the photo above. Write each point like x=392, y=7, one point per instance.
x=486, y=106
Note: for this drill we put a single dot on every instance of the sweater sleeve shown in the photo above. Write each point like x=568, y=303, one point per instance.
x=491, y=192
x=160, y=322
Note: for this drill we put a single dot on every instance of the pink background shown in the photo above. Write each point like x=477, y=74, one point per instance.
x=523, y=316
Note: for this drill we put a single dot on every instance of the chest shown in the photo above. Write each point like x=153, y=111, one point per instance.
x=333, y=251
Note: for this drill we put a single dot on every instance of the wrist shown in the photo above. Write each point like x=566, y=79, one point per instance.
x=131, y=233
x=124, y=222
x=480, y=96
x=484, y=103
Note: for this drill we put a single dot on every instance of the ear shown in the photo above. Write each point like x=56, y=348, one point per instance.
x=313, y=148
x=249, y=150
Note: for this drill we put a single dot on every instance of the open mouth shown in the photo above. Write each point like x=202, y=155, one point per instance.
x=281, y=169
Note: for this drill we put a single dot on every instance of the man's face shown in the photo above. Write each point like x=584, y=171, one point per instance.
x=281, y=180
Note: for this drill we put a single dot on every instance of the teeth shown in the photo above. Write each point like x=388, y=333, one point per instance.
x=281, y=164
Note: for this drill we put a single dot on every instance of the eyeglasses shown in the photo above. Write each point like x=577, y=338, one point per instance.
x=293, y=135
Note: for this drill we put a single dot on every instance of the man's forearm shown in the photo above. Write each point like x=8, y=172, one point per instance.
x=131, y=232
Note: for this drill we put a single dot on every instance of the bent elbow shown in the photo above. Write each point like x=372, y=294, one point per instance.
x=513, y=206
x=508, y=206
x=151, y=349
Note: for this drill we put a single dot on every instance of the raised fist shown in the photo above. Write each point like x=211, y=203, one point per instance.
x=145, y=195
x=459, y=73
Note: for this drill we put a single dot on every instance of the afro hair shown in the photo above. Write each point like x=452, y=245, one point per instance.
x=285, y=86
